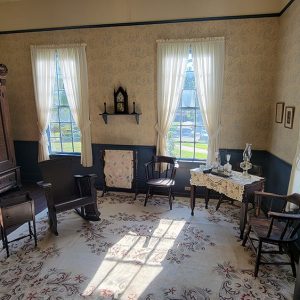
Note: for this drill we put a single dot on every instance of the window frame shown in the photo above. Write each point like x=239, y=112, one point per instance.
x=196, y=108
x=57, y=91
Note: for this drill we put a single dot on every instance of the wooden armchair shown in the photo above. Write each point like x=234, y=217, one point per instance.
x=275, y=226
x=160, y=174
x=65, y=191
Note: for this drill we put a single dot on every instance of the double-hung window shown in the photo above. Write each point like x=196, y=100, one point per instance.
x=63, y=133
x=187, y=137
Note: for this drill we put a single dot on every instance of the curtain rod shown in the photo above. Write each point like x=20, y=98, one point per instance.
x=59, y=45
x=192, y=40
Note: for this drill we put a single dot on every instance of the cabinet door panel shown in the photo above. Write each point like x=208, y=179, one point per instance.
x=7, y=159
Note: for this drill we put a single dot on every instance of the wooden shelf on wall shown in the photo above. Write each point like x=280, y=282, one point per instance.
x=134, y=114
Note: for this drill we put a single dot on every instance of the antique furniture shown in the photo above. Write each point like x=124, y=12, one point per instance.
x=119, y=170
x=9, y=172
x=15, y=210
x=236, y=187
x=160, y=174
x=255, y=170
x=65, y=191
x=277, y=227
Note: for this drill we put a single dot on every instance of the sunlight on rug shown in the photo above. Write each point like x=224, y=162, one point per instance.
x=138, y=252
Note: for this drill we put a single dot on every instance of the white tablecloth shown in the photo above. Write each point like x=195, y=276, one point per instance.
x=232, y=187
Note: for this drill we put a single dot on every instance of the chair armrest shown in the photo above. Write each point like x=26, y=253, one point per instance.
x=44, y=185
x=286, y=216
x=176, y=165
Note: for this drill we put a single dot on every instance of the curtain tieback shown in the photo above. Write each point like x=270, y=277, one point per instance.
x=43, y=138
x=159, y=131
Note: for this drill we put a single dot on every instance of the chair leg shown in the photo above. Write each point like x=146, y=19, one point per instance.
x=53, y=221
x=34, y=233
x=29, y=229
x=292, y=261
x=219, y=202
x=258, y=255
x=246, y=236
x=170, y=198
x=2, y=236
x=5, y=242
x=147, y=196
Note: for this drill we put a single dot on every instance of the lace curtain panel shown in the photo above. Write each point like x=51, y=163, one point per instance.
x=118, y=168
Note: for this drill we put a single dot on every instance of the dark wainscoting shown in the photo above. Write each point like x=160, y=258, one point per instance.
x=275, y=170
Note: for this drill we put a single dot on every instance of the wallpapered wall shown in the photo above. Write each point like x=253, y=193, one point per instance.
x=284, y=141
x=127, y=56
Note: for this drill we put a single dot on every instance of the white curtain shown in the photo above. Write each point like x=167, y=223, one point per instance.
x=294, y=184
x=208, y=58
x=43, y=70
x=171, y=64
x=74, y=69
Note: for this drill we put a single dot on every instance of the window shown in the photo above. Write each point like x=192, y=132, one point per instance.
x=63, y=133
x=187, y=137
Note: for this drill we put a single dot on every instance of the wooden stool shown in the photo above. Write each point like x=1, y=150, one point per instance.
x=15, y=210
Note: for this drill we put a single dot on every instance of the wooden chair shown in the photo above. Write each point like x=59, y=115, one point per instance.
x=255, y=170
x=65, y=191
x=160, y=174
x=275, y=226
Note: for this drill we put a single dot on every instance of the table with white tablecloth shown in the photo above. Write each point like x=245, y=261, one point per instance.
x=237, y=187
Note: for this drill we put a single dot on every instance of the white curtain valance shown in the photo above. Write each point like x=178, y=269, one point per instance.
x=58, y=46
x=189, y=41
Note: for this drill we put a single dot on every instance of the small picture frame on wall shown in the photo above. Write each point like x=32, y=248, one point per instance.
x=279, y=112
x=289, y=116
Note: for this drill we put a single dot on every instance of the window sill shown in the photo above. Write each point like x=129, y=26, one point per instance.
x=64, y=154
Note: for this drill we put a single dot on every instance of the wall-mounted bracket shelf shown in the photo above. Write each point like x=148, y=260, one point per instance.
x=135, y=114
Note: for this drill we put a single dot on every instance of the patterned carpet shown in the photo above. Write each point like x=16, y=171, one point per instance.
x=138, y=252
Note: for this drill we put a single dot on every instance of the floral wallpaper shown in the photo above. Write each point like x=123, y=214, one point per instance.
x=284, y=140
x=127, y=56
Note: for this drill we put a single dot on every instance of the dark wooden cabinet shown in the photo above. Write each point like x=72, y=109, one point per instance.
x=9, y=172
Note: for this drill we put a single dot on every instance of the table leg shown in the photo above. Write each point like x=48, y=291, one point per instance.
x=207, y=192
x=193, y=192
x=243, y=218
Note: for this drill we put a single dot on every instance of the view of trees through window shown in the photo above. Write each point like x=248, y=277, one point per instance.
x=63, y=133
x=187, y=136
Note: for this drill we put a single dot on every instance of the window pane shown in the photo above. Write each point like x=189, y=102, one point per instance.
x=188, y=98
x=188, y=116
x=174, y=132
x=54, y=130
x=201, y=150
x=55, y=144
x=189, y=83
x=63, y=98
x=55, y=99
x=54, y=115
x=65, y=129
x=199, y=120
x=187, y=134
x=60, y=82
x=174, y=148
x=64, y=114
x=67, y=144
x=187, y=150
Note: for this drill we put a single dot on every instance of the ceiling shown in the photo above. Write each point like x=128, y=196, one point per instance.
x=37, y=14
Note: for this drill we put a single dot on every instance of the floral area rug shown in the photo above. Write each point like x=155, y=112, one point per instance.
x=138, y=252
